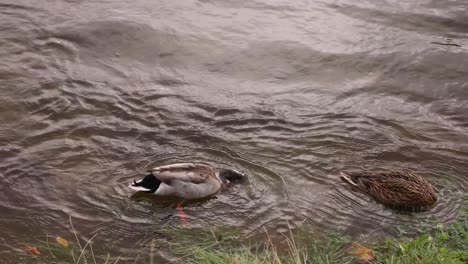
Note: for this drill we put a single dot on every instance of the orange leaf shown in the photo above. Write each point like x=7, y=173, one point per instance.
x=32, y=249
x=360, y=251
x=234, y=260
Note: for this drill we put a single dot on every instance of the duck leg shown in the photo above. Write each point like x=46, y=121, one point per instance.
x=181, y=213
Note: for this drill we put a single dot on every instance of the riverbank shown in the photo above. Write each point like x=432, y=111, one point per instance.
x=437, y=244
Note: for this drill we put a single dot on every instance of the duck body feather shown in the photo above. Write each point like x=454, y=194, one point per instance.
x=185, y=180
x=399, y=188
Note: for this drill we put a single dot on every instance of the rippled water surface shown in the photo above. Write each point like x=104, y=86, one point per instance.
x=291, y=92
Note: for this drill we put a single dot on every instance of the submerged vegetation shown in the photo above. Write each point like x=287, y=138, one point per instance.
x=438, y=244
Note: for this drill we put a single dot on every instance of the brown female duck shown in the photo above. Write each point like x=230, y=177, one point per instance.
x=397, y=188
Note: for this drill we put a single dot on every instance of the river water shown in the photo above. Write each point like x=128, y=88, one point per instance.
x=291, y=92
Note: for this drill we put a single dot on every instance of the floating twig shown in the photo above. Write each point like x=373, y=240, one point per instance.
x=446, y=44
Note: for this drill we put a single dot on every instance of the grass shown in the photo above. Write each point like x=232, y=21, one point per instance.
x=326, y=250
x=198, y=245
x=50, y=251
x=318, y=252
x=439, y=244
x=424, y=249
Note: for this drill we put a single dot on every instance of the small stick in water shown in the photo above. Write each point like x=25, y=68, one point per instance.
x=446, y=44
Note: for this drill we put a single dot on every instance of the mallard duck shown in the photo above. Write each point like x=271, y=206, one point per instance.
x=397, y=188
x=186, y=180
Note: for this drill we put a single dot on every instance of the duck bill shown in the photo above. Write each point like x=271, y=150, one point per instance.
x=135, y=186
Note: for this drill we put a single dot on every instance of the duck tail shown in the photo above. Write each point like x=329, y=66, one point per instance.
x=148, y=184
x=346, y=177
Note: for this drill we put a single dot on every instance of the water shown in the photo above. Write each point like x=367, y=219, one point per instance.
x=93, y=93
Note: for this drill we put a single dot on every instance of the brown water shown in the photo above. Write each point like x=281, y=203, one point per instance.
x=292, y=92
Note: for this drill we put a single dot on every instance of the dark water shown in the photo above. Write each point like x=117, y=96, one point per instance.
x=292, y=92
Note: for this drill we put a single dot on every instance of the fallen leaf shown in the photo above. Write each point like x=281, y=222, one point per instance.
x=62, y=241
x=360, y=251
x=234, y=260
x=32, y=249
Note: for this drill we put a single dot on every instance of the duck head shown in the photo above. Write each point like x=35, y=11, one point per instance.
x=231, y=176
x=148, y=184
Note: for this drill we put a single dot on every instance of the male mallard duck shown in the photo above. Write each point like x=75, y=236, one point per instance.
x=186, y=180
x=399, y=188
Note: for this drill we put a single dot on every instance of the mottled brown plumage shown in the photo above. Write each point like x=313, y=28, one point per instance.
x=400, y=188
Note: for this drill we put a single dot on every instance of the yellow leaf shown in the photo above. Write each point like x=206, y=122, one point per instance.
x=361, y=252
x=62, y=241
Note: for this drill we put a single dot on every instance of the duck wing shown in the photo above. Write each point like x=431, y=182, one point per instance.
x=186, y=172
x=396, y=191
x=392, y=187
x=366, y=176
